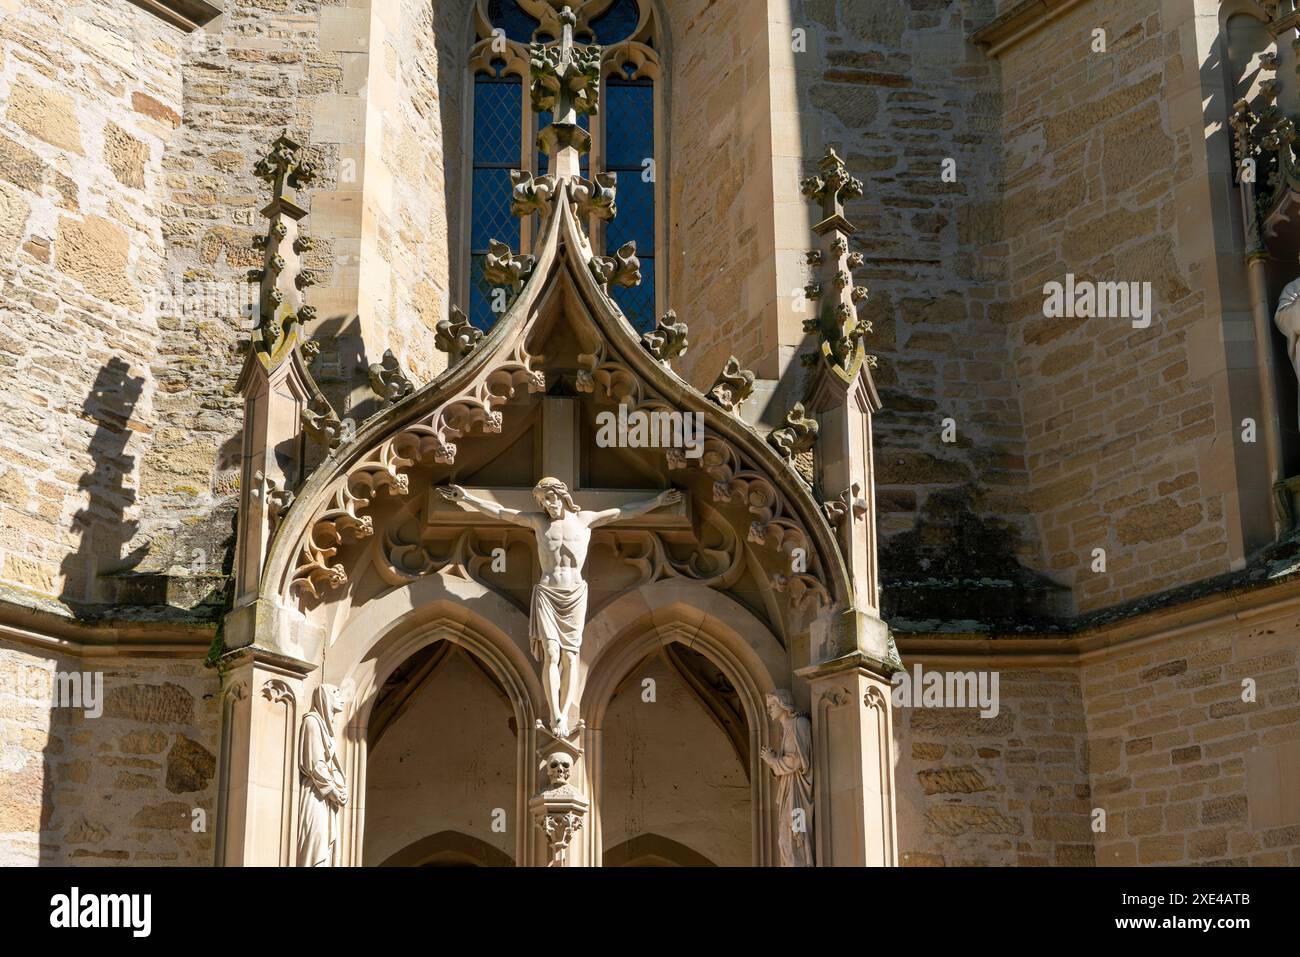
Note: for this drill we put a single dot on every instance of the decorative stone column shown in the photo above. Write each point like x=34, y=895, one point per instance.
x=849, y=686
x=559, y=809
x=263, y=704
x=853, y=762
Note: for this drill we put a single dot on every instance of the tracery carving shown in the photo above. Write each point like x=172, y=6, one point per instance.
x=432, y=438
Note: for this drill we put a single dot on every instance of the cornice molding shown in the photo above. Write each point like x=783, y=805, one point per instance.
x=1019, y=22
x=57, y=633
x=187, y=15
x=1247, y=608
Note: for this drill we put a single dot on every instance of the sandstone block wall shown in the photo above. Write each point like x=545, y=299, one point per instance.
x=1006, y=790
x=128, y=207
x=898, y=91
x=1130, y=433
x=1188, y=772
x=90, y=97
x=121, y=788
x=1184, y=738
x=720, y=188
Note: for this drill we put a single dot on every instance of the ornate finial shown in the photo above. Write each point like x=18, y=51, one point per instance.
x=797, y=437
x=281, y=278
x=388, y=381
x=733, y=386
x=833, y=290
x=667, y=340
x=565, y=83
x=456, y=337
x=284, y=168
x=501, y=267
x=620, y=269
x=830, y=187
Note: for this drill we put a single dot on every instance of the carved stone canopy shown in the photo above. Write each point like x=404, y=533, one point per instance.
x=559, y=357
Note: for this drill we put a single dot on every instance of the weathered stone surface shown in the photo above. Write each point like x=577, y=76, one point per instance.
x=963, y=780
x=167, y=816
x=95, y=252
x=125, y=155
x=954, y=819
x=163, y=704
x=190, y=766
x=48, y=114
x=13, y=219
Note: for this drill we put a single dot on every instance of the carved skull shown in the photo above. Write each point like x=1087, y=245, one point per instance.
x=558, y=769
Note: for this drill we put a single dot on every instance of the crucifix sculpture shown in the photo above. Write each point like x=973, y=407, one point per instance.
x=559, y=606
x=563, y=530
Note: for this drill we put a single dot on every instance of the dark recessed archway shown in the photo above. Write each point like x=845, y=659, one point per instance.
x=653, y=850
x=449, y=849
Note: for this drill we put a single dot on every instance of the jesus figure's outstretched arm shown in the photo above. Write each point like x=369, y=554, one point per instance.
x=454, y=493
x=596, y=519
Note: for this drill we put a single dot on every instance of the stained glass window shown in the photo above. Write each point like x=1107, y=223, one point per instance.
x=498, y=104
x=629, y=154
x=617, y=23
x=508, y=16
x=626, y=144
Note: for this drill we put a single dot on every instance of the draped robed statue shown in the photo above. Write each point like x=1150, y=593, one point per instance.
x=323, y=790
x=791, y=763
x=558, y=610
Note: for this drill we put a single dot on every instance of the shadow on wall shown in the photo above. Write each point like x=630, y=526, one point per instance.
x=958, y=565
x=102, y=524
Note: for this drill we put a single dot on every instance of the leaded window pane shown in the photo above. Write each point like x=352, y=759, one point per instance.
x=617, y=23
x=510, y=17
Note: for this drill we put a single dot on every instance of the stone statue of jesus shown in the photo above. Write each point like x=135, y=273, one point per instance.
x=559, y=605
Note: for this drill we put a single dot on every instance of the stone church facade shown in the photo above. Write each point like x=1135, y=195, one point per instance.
x=649, y=432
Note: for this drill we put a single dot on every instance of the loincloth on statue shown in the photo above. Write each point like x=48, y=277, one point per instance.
x=557, y=614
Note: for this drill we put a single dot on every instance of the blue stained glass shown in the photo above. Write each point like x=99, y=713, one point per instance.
x=629, y=124
x=482, y=295
x=492, y=219
x=638, y=302
x=617, y=23
x=497, y=106
x=636, y=214
x=508, y=15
